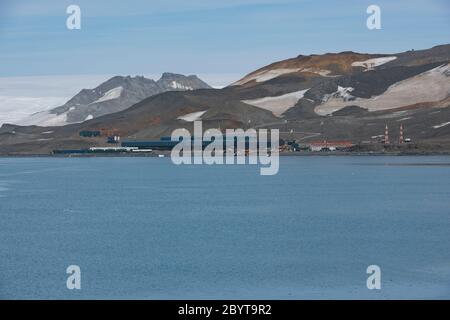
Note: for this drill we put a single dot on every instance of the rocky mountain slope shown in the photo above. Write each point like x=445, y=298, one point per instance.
x=115, y=94
x=345, y=95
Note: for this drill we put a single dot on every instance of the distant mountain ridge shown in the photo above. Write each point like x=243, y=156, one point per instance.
x=334, y=96
x=113, y=95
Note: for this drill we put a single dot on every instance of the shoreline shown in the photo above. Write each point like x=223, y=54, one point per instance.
x=282, y=154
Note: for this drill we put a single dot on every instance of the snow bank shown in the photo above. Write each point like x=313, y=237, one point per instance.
x=110, y=95
x=341, y=92
x=266, y=75
x=270, y=74
x=372, y=63
x=179, y=86
x=323, y=73
x=429, y=86
x=441, y=125
x=191, y=117
x=45, y=119
x=279, y=104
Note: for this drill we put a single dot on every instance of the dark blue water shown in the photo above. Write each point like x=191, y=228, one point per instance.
x=145, y=228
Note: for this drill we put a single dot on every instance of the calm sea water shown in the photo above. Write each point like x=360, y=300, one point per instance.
x=145, y=228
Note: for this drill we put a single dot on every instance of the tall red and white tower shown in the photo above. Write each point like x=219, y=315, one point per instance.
x=400, y=139
x=386, y=135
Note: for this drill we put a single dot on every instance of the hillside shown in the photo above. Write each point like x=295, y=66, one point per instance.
x=345, y=95
x=115, y=94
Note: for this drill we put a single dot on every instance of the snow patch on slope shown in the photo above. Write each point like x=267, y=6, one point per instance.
x=341, y=92
x=323, y=73
x=429, y=86
x=110, y=95
x=179, y=86
x=191, y=117
x=372, y=63
x=279, y=104
x=45, y=119
x=441, y=125
x=266, y=75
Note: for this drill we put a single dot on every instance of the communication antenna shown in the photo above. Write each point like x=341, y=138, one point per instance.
x=386, y=135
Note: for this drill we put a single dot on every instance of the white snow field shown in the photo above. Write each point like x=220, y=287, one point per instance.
x=323, y=73
x=44, y=119
x=13, y=109
x=265, y=75
x=279, y=104
x=110, y=95
x=23, y=97
x=191, y=117
x=341, y=92
x=372, y=63
x=179, y=86
x=47, y=119
x=269, y=74
x=429, y=86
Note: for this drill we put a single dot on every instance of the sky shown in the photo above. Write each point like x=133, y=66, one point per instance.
x=218, y=40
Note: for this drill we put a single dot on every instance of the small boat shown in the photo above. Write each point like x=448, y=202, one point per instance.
x=161, y=156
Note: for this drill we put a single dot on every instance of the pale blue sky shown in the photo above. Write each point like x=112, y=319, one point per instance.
x=228, y=37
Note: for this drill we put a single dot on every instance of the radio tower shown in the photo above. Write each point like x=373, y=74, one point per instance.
x=386, y=135
x=400, y=140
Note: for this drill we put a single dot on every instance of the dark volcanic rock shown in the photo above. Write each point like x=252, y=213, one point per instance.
x=351, y=111
x=173, y=81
